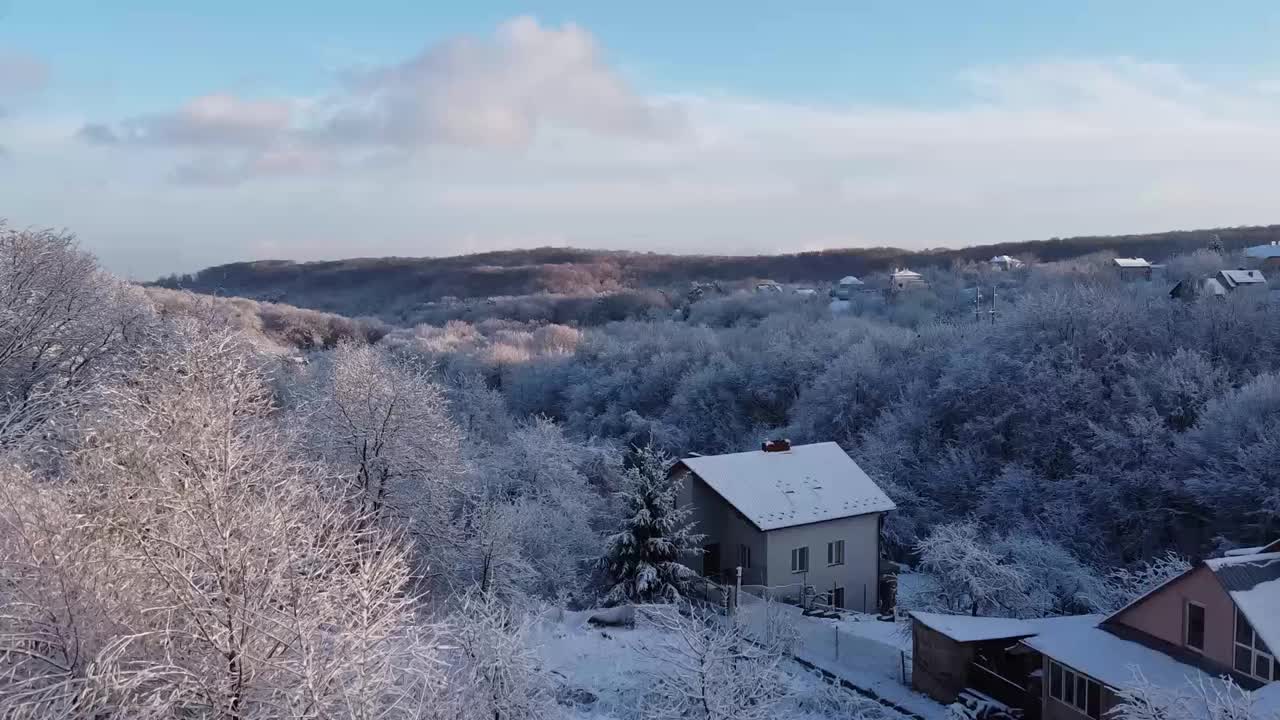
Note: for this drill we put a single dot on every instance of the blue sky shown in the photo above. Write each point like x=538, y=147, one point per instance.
x=171, y=137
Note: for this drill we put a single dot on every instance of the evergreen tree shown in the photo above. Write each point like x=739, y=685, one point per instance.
x=642, y=563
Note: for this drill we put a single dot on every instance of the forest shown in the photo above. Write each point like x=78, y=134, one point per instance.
x=215, y=507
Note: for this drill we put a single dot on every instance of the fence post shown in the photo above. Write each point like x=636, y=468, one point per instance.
x=864, y=598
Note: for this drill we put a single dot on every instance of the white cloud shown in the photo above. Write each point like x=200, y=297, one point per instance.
x=529, y=136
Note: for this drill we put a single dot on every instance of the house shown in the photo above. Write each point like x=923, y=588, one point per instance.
x=805, y=516
x=1003, y=263
x=1220, y=285
x=902, y=279
x=1132, y=268
x=1217, y=620
x=1269, y=254
x=847, y=287
x=1234, y=280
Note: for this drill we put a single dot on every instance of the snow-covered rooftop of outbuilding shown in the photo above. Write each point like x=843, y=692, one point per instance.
x=806, y=484
x=850, y=280
x=1111, y=659
x=1253, y=581
x=965, y=628
x=904, y=273
x=1132, y=262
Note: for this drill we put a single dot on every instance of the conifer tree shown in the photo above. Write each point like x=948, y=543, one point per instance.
x=643, y=560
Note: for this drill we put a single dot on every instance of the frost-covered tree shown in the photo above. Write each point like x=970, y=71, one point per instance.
x=494, y=672
x=971, y=576
x=386, y=422
x=1195, y=700
x=61, y=319
x=707, y=668
x=1124, y=585
x=642, y=562
x=193, y=566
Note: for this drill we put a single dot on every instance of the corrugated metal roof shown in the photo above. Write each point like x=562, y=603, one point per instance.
x=1132, y=263
x=1244, y=576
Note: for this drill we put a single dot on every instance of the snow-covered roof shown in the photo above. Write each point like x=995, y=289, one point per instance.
x=904, y=273
x=1253, y=582
x=1132, y=263
x=850, y=280
x=1111, y=659
x=1244, y=277
x=1006, y=259
x=1263, y=251
x=806, y=484
x=965, y=628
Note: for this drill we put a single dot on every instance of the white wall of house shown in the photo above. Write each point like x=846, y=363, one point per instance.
x=861, y=568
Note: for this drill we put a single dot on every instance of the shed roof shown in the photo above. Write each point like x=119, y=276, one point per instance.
x=806, y=484
x=850, y=280
x=965, y=628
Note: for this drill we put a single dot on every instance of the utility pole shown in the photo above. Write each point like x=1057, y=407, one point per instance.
x=993, y=304
x=977, y=303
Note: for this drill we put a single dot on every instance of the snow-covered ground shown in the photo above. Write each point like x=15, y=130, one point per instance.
x=604, y=673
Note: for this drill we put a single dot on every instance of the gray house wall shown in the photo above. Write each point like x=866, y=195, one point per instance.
x=861, y=568
x=771, y=551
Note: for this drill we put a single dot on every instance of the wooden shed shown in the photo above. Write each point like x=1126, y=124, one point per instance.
x=952, y=653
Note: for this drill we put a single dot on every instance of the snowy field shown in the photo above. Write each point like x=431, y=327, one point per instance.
x=606, y=673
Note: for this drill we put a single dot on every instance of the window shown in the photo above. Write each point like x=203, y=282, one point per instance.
x=835, y=553
x=744, y=556
x=1253, y=657
x=800, y=560
x=1076, y=690
x=1194, y=637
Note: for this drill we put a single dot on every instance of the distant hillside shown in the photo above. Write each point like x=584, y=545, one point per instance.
x=391, y=287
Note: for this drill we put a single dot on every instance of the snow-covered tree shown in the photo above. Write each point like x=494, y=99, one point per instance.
x=642, y=562
x=386, y=422
x=1195, y=700
x=1124, y=585
x=493, y=670
x=193, y=566
x=971, y=576
x=707, y=668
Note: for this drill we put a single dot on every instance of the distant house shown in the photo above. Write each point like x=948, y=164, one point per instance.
x=902, y=279
x=1133, y=268
x=803, y=516
x=1218, y=620
x=1004, y=263
x=1220, y=285
x=847, y=288
x=1269, y=254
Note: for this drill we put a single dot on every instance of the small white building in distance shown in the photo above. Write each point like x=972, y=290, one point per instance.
x=902, y=279
x=790, y=517
x=847, y=287
x=1004, y=263
x=1133, y=268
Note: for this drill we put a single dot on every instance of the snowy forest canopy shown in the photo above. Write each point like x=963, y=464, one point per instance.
x=196, y=521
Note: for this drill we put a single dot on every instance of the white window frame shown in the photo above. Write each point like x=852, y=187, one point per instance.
x=744, y=556
x=798, y=554
x=1252, y=648
x=835, y=553
x=1186, y=625
x=1070, y=682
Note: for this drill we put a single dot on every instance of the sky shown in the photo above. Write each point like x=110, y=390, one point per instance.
x=174, y=136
